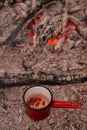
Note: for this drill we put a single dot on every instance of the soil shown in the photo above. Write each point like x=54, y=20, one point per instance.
x=26, y=56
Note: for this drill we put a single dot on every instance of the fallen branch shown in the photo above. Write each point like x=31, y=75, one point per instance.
x=42, y=78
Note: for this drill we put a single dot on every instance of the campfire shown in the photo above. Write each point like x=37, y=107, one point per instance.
x=43, y=45
x=52, y=29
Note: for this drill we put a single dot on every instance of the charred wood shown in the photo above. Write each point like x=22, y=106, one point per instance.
x=14, y=33
x=42, y=78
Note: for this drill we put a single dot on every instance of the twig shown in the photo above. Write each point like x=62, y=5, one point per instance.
x=84, y=19
x=76, y=9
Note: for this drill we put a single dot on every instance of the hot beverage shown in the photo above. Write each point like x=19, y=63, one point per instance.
x=38, y=101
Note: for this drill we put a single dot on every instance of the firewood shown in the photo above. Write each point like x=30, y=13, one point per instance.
x=45, y=78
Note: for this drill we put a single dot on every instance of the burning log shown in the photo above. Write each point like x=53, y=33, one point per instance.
x=14, y=33
x=31, y=15
x=53, y=31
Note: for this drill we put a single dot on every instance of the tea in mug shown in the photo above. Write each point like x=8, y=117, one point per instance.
x=38, y=101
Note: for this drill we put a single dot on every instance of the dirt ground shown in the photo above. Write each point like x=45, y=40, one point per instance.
x=72, y=58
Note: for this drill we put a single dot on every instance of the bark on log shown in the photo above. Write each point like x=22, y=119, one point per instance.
x=26, y=79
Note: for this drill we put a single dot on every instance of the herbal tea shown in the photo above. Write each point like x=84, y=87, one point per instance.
x=38, y=101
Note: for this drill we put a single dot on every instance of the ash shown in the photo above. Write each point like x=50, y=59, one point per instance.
x=26, y=55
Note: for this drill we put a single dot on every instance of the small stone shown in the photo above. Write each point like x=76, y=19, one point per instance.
x=36, y=124
x=84, y=118
x=84, y=126
x=47, y=128
x=52, y=119
x=5, y=107
x=28, y=3
x=43, y=123
x=31, y=128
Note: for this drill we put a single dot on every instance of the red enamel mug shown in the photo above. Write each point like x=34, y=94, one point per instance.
x=38, y=100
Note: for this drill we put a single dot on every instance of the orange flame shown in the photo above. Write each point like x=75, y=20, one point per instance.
x=71, y=26
x=53, y=41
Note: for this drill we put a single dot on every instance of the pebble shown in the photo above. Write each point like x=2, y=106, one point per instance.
x=32, y=128
x=43, y=123
x=5, y=107
x=52, y=119
x=47, y=128
x=84, y=118
x=84, y=126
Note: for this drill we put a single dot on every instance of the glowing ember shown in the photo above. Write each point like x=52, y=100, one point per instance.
x=59, y=36
x=31, y=34
x=53, y=41
x=31, y=23
x=70, y=27
x=39, y=16
x=56, y=41
x=64, y=42
x=65, y=33
x=70, y=23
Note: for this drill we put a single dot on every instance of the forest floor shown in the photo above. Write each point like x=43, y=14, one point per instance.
x=71, y=58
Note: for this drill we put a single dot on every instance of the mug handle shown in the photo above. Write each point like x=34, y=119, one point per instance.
x=63, y=104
